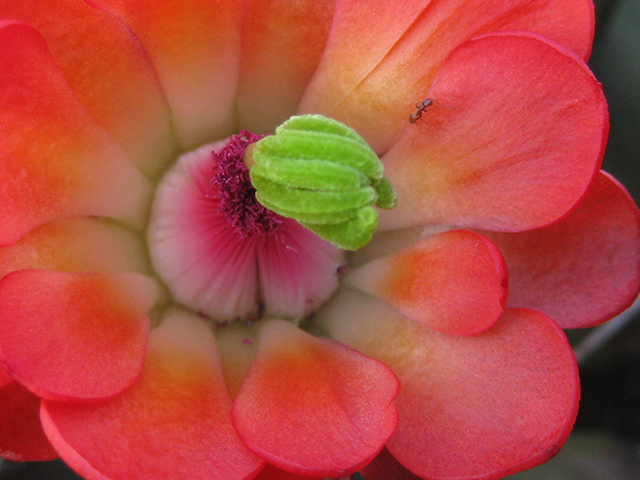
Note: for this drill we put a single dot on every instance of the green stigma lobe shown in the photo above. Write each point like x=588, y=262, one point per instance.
x=322, y=174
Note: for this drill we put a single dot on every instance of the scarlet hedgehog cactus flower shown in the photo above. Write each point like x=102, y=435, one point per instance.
x=186, y=294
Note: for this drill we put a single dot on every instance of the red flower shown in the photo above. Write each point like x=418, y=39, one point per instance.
x=156, y=322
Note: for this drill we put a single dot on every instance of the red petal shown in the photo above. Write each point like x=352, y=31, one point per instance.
x=583, y=270
x=55, y=160
x=406, y=45
x=76, y=244
x=514, y=142
x=454, y=282
x=74, y=336
x=478, y=407
x=107, y=69
x=175, y=422
x=194, y=46
x=272, y=473
x=312, y=406
x=282, y=42
x=21, y=436
x=385, y=467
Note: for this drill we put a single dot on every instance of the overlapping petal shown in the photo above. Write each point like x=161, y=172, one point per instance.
x=55, y=161
x=107, y=69
x=406, y=43
x=21, y=435
x=270, y=472
x=384, y=467
x=584, y=269
x=314, y=407
x=477, y=407
x=282, y=44
x=514, y=142
x=194, y=46
x=74, y=337
x=454, y=282
x=175, y=422
x=79, y=244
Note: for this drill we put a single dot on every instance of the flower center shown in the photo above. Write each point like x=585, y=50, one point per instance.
x=237, y=196
x=224, y=255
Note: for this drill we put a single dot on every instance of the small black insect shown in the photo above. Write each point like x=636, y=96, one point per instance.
x=421, y=107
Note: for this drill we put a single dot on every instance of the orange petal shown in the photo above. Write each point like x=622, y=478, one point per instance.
x=194, y=46
x=454, y=282
x=513, y=144
x=477, y=407
x=584, y=269
x=405, y=45
x=313, y=407
x=76, y=245
x=107, y=69
x=282, y=43
x=55, y=160
x=69, y=336
x=175, y=422
x=21, y=436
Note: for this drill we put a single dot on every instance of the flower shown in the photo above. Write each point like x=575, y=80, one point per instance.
x=148, y=332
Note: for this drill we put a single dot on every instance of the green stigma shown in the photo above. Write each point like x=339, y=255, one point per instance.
x=324, y=175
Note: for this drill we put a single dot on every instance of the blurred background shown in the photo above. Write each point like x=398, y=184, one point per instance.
x=605, y=444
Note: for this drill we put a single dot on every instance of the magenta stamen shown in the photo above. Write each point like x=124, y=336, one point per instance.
x=237, y=196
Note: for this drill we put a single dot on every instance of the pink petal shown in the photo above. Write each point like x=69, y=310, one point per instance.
x=55, y=160
x=313, y=407
x=21, y=436
x=193, y=248
x=72, y=336
x=405, y=44
x=77, y=244
x=194, y=46
x=514, y=142
x=107, y=69
x=175, y=422
x=298, y=271
x=478, y=407
x=583, y=270
x=282, y=42
x=454, y=282
x=210, y=268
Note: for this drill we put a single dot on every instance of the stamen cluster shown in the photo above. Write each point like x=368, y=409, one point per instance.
x=237, y=196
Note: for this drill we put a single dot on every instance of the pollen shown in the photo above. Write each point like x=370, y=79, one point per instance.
x=237, y=197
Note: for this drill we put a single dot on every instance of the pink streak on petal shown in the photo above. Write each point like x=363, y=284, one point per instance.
x=298, y=271
x=227, y=274
x=195, y=250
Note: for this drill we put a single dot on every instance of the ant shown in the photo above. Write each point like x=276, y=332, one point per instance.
x=421, y=108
